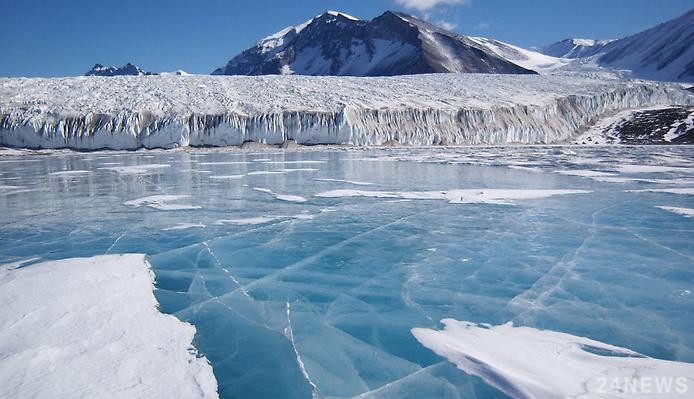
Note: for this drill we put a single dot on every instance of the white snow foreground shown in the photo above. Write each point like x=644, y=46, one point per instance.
x=454, y=109
x=90, y=328
x=524, y=362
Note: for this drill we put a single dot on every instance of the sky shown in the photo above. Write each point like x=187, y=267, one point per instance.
x=67, y=37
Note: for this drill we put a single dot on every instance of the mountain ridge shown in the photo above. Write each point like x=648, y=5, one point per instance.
x=662, y=52
x=575, y=47
x=391, y=44
x=128, y=69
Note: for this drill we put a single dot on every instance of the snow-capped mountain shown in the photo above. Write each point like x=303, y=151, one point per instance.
x=575, y=48
x=127, y=69
x=664, y=52
x=334, y=43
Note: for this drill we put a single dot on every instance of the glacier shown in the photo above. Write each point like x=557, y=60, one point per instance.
x=192, y=111
x=311, y=267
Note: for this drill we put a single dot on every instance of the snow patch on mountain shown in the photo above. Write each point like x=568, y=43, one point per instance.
x=528, y=59
x=337, y=13
x=575, y=48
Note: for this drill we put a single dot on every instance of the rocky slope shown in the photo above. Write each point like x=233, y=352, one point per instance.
x=337, y=44
x=126, y=70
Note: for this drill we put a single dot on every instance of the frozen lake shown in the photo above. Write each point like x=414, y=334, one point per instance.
x=305, y=271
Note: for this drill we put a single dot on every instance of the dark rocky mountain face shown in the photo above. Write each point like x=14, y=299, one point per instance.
x=391, y=44
x=658, y=125
x=127, y=69
x=663, y=126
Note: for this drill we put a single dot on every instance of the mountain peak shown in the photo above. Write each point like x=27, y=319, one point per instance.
x=663, y=52
x=392, y=44
x=127, y=69
x=340, y=14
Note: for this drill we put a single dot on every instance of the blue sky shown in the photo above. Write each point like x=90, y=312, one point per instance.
x=66, y=37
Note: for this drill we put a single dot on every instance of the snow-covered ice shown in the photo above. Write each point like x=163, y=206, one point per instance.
x=526, y=362
x=688, y=212
x=161, y=202
x=586, y=173
x=356, y=183
x=88, y=328
x=650, y=169
x=683, y=191
x=135, y=169
x=71, y=172
x=184, y=226
x=281, y=197
x=467, y=196
x=228, y=177
x=246, y=221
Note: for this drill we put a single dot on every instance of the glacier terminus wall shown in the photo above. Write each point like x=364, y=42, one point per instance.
x=132, y=112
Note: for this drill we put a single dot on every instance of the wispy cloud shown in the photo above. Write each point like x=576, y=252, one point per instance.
x=482, y=25
x=424, y=5
x=446, y=25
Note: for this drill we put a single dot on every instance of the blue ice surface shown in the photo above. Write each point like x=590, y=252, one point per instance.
x=323, y=303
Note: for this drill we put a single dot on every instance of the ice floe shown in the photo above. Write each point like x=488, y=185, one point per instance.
x=652, y=169
x=91, y=329
x=185, y=226
x=248, y=221
x=688, y=212
x=585, y=173
x=71, y=172
x=161, y=202
x=228, y=177
x=135, y=169
x=459, y=196
x=9, y=187
x=525, y=362
x=266, y=172
x=223, y=163
x=683, y=191
x=356, y=183
x=281, y=197
x=307, y=162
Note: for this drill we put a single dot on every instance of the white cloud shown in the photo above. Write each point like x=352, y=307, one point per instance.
x=423, y=5
x=482, y=25
x=446, y=25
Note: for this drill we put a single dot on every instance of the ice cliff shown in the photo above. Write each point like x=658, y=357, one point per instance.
x=173, y=111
